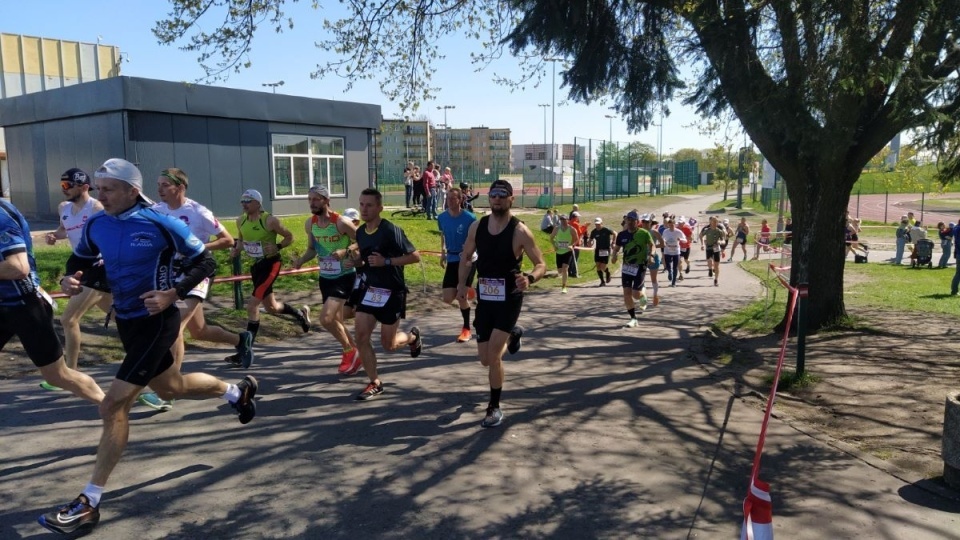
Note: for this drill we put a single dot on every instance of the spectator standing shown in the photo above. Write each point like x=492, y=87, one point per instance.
x=903, y=234
x=946, y=242
x=408, y=183
x=429, y=187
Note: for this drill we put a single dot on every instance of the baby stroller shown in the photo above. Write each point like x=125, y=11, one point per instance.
x=922, y=254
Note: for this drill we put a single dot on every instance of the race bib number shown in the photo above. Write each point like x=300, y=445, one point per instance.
x=253, y=249
x=630, y=269
x=329, y=266
x=563, y=245
x=376, y=297
x=201, y=290
x=493, y=289
x=603, y=252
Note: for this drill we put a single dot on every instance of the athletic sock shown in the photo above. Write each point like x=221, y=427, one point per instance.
x=93, y=493
x=600, y=275
x=495, y=397
x=232, y=394
x=253, y=327
x=466, y=317
x=288, y=310
x=656, y=287
x=633, y=313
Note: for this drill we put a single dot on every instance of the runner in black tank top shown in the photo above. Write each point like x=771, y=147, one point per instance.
x=500, y=240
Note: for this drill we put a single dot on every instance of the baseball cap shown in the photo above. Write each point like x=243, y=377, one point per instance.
x=319, y=190
x=502, y=184
x=352, y=214
x=645, y=217
x=563, y=217
x=575, y=214
x=633, y=215
x=726, y=221
x=252, y=194
x=124, y=171
x=77, y=176
x=598, y=220
x=681, y=219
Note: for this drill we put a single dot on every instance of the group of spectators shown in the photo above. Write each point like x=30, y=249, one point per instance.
x=428, y=188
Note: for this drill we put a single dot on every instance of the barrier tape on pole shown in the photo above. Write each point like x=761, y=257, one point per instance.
x=757, y=507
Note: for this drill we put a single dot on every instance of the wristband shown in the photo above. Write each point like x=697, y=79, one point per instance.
x=387, y=262
x=531, y=279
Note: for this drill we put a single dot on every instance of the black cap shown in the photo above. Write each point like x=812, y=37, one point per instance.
x=77, y=176
x=502, y=184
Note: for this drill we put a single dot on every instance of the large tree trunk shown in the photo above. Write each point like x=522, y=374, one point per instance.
x=819, y=205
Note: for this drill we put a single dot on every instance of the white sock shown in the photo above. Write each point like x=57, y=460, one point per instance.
x=232, y=394
x=93, y=493
x=656, y=287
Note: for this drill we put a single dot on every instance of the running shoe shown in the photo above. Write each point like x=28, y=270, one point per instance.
x=563, y=290
x=643, y=302
x=246, y=407
x=349, y=362
x=471, y=293
x=602, y=283
x=656, y=300
x=709, y=272
x=715, y=282
x=75, y=517
x=493, y=419
x=371, y=391
x=687, y=271
x=235, y=360
x=633, y=323
x=608, y=275
x=513, y=345
x=416, y=347
x=245, y=349
x=464, y=336
x=303, y=316
x=679, y=276
x=47, y=386
x=152, y=400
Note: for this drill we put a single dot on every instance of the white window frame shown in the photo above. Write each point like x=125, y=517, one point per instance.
x=310, y=157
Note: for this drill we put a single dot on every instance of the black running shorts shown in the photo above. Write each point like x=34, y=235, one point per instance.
x=634, y=282
x=393, y=309
x=564, y=259
x=451, y=276
x=264, y=272
x=146, y=342
x=713, y=253
x=338, y=287
x=33, y=324
x=495, y=315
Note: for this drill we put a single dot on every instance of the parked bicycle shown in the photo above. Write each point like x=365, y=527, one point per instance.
x=413, y=211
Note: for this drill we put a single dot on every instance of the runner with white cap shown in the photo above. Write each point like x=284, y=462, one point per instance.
x=601, y=240
x=257, y=237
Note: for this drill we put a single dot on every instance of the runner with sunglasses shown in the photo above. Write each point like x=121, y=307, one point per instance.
x=258, y=231
x=74, y=212
x=500, y=240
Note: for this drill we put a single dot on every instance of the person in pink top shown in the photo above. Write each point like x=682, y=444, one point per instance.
x=429, y=177
x=763, y=240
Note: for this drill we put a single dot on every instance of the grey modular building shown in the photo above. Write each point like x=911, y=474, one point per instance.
x=226, y=140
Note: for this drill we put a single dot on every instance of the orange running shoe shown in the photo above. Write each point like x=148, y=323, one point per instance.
x=464, y=336
x=471, y=293
x=656, y=300
x=350, y=362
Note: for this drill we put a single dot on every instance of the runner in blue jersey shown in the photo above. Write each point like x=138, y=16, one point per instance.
x=138, y=245
x=454, y=223
x=27, y=312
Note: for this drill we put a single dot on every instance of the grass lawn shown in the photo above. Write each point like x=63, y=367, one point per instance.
x=901, y=288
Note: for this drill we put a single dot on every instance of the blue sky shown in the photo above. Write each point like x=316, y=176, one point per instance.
x=291, y=57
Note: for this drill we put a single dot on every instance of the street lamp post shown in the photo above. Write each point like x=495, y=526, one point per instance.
x=553, y=129
x=543, y=169
x=273, y=85
x=445, y=108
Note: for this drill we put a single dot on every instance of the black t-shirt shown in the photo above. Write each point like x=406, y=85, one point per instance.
x=601, y=238
x=390, y=241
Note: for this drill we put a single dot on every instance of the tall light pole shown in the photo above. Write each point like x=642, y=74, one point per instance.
x=553, y=128
x=273, y=85
x=445, y=108
x=609, y=153
x=543, y=166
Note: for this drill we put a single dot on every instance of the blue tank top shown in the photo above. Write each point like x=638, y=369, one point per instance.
x=15, y=238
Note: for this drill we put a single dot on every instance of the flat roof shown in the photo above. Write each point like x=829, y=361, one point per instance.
x=151, y=95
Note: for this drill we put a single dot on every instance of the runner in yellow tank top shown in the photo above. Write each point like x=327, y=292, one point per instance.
x=564, y=238
x=258, y=232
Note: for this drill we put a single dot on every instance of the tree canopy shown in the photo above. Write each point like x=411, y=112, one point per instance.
x=820, y=86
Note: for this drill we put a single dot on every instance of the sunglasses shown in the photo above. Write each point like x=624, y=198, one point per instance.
x=246, y=201
x=65, y=185
x=499, y=194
